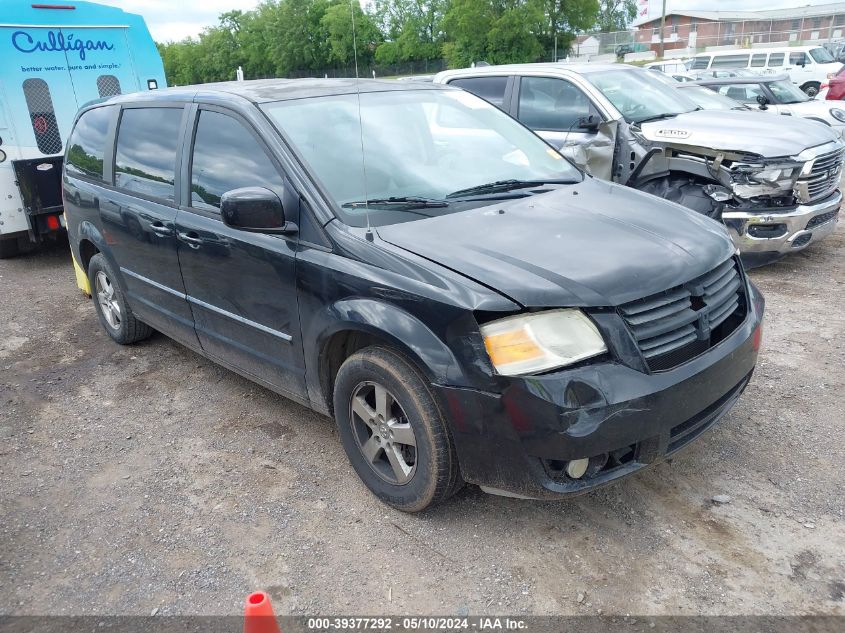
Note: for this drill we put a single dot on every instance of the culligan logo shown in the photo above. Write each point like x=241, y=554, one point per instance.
x=56, y=41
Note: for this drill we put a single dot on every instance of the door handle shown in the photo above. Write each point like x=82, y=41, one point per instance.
x=191, y=239
x=161, y=230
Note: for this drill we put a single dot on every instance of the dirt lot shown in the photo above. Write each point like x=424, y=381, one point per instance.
x=144, y=478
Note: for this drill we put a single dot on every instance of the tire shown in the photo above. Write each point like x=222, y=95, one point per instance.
x=407, y=424
x=115, y=315
x=9, y=248
x=811, y=89
x=684, y=191
x=12, y=247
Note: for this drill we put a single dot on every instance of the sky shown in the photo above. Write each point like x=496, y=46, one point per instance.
x=177, y=19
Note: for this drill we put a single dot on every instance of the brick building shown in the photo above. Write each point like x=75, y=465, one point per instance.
x=701, y=29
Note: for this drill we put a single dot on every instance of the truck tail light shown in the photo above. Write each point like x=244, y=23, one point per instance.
x=53, y=222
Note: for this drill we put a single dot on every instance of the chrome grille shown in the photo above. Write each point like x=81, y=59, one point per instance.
x=676, y=325
x=824, y=177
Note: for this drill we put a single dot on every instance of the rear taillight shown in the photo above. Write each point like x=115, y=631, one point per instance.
x=757, y=338
x=53, y=222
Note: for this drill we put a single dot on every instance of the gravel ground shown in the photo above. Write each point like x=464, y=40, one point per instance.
x=144, y=478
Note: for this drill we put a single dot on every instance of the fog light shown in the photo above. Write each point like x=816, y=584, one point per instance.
x=577, y=467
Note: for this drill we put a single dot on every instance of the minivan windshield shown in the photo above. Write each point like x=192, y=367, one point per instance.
x=821, y=56
x=426, y=152
x=639, y=96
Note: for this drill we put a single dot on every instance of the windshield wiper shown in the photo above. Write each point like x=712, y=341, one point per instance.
x=408, y=202
x=506, y=185
x=658, y=117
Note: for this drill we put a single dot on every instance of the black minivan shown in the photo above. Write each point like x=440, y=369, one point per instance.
x=467, y=305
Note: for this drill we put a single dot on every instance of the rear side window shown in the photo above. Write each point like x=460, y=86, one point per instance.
x=546, y=103
x=744, y=93
x=491, y=89
x=730, y=61
x=758, y=60
x=776, y=59
x=700, y=63
x=87, y=144
x=227, y=156
x=145, y=160
x=797, y=59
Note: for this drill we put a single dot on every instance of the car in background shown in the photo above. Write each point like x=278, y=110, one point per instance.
x=710, y=100
x=423, y=78
x=720, y=73
x=463, y=301
x=670, y=79
x=778, y=95
x=807, y=66
x=56, y=58
x=776, y=187
x=669, y=66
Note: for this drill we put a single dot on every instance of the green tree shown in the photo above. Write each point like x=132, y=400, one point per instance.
x=615, y=15
x=512, y=40
x=297, y=37
x=414, y=25
x=466, y=24
x=338, y=24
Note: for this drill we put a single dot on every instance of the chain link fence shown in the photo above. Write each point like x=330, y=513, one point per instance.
x=686, y=35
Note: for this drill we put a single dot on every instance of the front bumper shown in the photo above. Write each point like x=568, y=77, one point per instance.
x=517, y=442
x=782, y=231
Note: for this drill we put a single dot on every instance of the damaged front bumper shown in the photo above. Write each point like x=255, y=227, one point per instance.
x=519, y=442
x=781, y=231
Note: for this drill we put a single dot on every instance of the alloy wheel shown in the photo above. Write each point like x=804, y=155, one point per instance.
x=107, y=300
x=383, y=434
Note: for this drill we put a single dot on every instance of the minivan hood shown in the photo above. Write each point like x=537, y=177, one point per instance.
x=741, y=132
x=590, y=244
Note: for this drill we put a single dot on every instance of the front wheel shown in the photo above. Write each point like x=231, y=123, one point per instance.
x=393, y=430
x=684, y=191
x=811, y=89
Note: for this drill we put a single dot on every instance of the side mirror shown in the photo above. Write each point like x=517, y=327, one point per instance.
x=255, y=209
x=589, y=123
x=763, y=100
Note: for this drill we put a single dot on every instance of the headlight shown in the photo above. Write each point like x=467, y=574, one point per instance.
x=773, y=174
x=838, y=114
x=527, y=344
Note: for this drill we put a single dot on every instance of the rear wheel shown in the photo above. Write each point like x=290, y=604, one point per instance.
x=115, y=315
x=14, y=246
x=393, y=430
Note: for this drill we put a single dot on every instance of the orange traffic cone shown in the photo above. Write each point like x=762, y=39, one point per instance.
x=258, y=614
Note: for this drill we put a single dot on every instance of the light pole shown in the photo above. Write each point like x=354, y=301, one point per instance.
x=662, y=27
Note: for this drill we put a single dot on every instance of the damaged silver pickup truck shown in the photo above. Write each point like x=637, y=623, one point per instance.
x=773, y=182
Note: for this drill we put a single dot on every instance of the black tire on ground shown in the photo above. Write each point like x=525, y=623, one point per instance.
x=684, y=191
x=811, y=88
x=8, y=248
x=115, y=315
x=14, y=246
x=434, y=472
